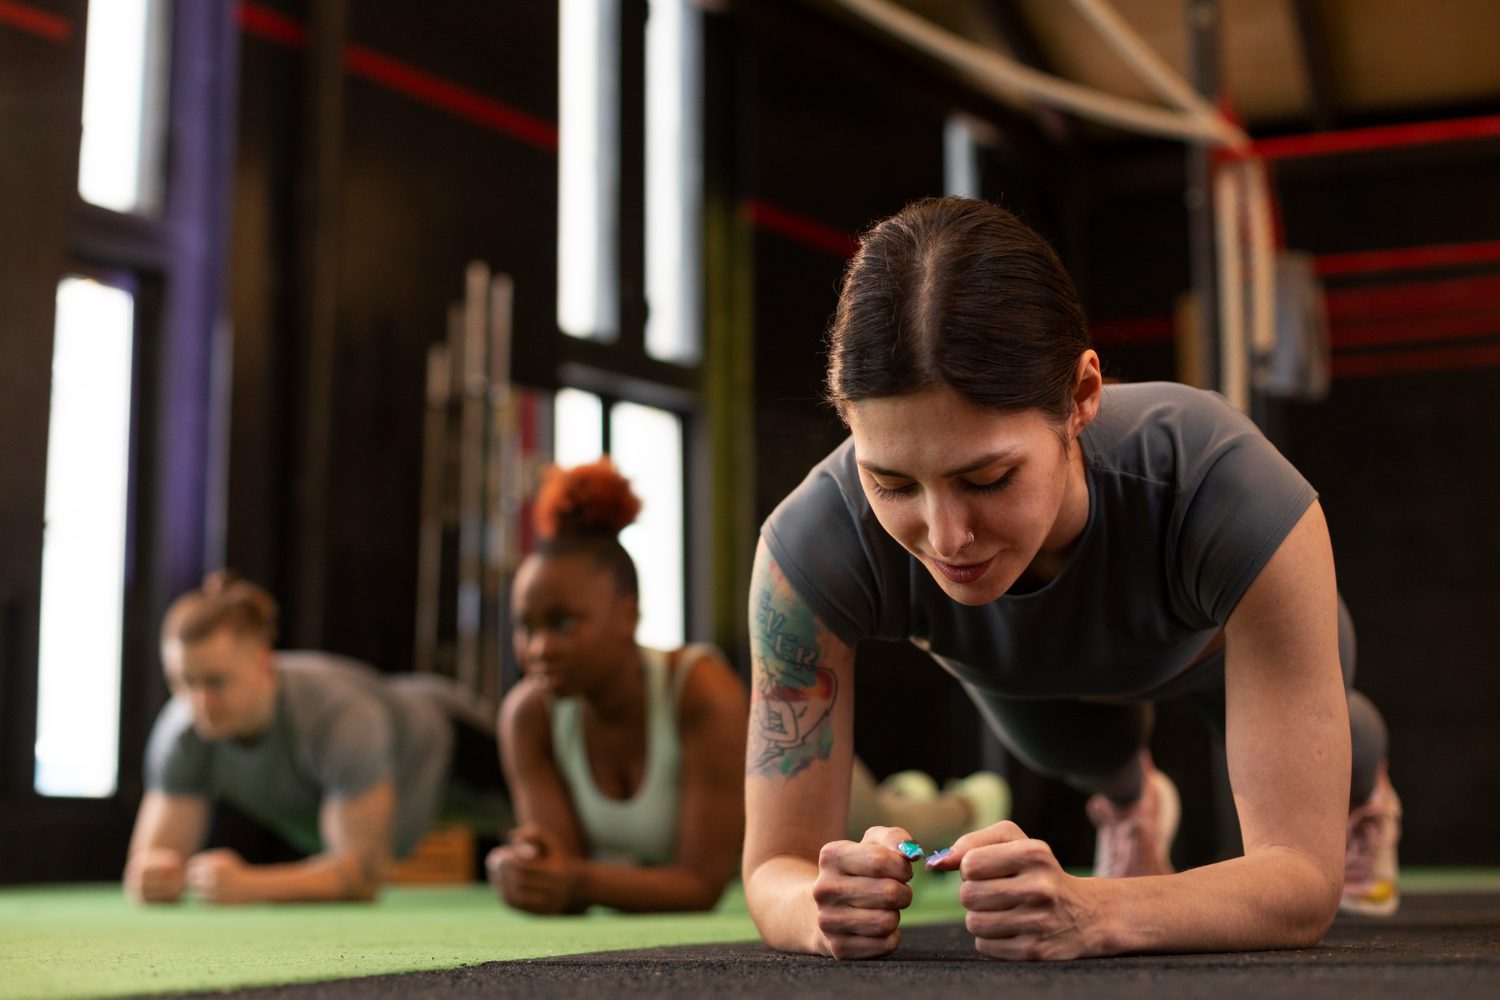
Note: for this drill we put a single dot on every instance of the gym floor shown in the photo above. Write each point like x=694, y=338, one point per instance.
x=88, y=941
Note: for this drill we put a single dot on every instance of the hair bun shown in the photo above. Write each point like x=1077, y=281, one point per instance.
x=592, y=499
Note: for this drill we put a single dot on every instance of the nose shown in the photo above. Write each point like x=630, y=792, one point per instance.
x=947, y=529
x=540, y=644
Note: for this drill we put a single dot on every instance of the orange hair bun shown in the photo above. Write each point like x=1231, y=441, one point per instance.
x=592, y=499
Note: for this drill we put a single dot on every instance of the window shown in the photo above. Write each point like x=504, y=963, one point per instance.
x=646, y=444
x=83, y=553
x=588, y=266
x=578, y=422
x=630, y=269
x=119, y=162
x=961, y=172
x=674, y=181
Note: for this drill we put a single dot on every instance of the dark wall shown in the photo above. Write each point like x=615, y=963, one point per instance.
x=1402, y=460
x=1405, y=466
x=423, y=191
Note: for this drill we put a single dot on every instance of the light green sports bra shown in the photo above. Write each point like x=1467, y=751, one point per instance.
x=643, y=828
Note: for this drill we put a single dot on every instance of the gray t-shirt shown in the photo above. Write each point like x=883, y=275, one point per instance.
x=1187, y=502
x=339, y=728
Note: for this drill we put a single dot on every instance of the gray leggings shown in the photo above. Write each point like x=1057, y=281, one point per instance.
x=1094, y=746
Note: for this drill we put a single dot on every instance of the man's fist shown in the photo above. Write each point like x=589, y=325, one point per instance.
x=155, y=875
x=217, y=876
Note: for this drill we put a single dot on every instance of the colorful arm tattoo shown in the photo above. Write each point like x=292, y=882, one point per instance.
x=793, y=696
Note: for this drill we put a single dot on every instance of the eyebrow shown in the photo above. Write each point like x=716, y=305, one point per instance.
x=1004, y=454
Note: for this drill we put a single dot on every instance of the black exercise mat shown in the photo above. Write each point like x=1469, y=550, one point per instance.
x=1438, y=946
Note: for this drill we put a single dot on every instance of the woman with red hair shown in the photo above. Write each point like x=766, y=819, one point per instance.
x=626, y=762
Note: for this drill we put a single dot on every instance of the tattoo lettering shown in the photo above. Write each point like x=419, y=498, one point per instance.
x=794, y=696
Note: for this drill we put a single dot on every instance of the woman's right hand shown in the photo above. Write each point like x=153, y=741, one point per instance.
x=532, y=872
x=860, y=892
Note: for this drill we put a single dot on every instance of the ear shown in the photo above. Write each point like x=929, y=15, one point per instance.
x=1088, y=388
x=266, y=660
x=630, y=610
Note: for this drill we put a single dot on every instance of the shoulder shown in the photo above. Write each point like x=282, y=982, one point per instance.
x=835, y=556
x=173, y=730
x=326, y=682
x=711, y=691
x=1167, y=433
x=526, y=713
x=830, y=487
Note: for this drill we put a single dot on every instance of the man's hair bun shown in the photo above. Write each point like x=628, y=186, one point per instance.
x=592, y=499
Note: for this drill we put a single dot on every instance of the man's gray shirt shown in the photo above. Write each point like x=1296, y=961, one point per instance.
x=339, y=728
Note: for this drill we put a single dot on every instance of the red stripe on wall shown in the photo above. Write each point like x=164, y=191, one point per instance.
x=403, y=78
x=1380, y=137
x=41, y=23
x=1421, y=298
x=445, y=95
x=1379, y=333
x=1408, y=258
x=1134, y=331
x=1409, y=362
x=800, y=229
x=271, y=25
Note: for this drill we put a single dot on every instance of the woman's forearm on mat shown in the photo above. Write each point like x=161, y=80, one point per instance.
x=779, y=891
x=625, y=887
x=1274, y=898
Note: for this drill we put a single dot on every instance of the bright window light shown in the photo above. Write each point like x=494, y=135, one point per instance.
x=588, y=154
x=578, y=428
x=674, y=181
x=119, y=162
x=960, y=158
x=83, y=552
x=646, y=444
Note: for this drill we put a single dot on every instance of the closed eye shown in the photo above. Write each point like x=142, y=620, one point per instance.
x=993, y=486
x=886, y=493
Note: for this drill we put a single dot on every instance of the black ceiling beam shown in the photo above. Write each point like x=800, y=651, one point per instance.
x=1317, y=69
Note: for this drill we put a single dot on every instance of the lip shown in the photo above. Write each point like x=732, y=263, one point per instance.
x=964, y=574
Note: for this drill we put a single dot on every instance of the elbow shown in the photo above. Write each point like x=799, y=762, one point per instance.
x=365, y=892
x=364, y=877
x=1314, y=917
x=1312, y=904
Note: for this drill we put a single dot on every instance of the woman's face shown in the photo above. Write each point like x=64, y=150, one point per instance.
x=571, y=623
x=937, y=468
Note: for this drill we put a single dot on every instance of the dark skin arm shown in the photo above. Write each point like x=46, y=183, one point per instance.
x=544, y=869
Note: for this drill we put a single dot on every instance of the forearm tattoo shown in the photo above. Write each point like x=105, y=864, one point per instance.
x=793, y=697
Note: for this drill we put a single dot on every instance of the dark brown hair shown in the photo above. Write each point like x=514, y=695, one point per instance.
x=225, y=601
x=961, y=293
x=582, y=510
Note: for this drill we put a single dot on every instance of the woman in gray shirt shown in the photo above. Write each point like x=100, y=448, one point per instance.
x=1071, y=552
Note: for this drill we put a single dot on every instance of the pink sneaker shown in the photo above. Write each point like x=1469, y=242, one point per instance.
x=1136, y=839
x=1371, y=871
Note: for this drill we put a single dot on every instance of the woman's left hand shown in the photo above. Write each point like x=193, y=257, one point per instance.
x=532, y=872
x=1022, y=905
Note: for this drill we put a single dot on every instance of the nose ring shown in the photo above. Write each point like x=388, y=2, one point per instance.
x=970, y=541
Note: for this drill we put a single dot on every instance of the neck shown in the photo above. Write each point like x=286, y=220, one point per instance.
x=1072, y=518
x=266, y=715
x=621, y=698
